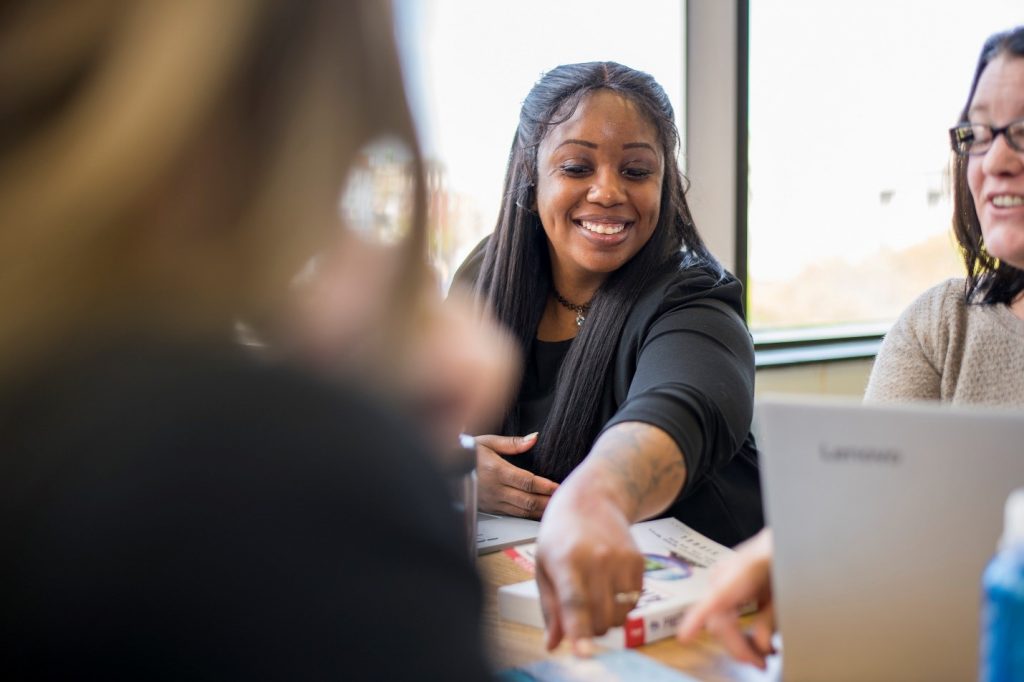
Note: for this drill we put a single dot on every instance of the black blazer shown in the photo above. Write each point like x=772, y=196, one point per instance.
x=685, y=363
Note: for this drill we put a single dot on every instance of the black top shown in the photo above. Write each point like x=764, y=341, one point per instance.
x=183, y=513
x=684, y=363
x=537, y=390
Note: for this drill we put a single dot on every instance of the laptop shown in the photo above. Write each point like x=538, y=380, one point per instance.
x=883, y=519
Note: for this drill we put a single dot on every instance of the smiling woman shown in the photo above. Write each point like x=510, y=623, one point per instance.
x=637, y=393
x=994, y=166
x=598, y=188
x=961, y=341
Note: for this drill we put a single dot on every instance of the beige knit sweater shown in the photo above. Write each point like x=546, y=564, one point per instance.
x=943, y=349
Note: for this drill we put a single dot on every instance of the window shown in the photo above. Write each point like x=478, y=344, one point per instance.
x=471, y=63
x=848, y=192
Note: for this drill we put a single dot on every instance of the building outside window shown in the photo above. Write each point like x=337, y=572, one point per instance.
x=849, y=199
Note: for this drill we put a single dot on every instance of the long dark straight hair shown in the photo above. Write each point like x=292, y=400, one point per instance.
x=515, y=277
x=989, y=280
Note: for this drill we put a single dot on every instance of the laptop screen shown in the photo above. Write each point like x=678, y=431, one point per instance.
x=883, y=519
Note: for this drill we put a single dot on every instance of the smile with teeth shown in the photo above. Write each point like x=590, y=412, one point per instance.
x=1007, y=200
x=603, y=228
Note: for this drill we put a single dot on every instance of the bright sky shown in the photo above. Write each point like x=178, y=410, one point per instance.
x=850, y=98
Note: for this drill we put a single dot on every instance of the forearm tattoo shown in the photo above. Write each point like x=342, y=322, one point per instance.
x=646, y=461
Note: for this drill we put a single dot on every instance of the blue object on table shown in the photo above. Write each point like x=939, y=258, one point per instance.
x=1002, y=616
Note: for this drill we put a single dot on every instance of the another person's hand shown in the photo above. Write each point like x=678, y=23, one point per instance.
x=453, y=367
x=589, y=570
x=460, y=369
x=735, y=583
x=505, y=488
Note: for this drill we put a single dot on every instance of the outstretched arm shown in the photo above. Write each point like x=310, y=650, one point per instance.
x=585, y=554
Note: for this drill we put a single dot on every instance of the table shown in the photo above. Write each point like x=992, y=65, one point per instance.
x=512, y=644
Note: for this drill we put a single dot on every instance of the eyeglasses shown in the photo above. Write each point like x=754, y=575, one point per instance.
x=974, y=139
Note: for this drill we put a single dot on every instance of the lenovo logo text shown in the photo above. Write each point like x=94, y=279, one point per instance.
x=859, y=454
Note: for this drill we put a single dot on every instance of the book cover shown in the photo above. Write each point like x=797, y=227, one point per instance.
x=677, y=562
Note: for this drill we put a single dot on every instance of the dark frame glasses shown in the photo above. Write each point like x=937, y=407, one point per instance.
x=975, y=139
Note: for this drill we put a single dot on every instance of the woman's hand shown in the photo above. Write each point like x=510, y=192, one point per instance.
x=736, y=582
x=589, y=570
x=504, y=488
x=588, y=567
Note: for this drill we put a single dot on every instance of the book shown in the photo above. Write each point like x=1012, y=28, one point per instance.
x=611, y=666
x=677, y=566
x=495, y=532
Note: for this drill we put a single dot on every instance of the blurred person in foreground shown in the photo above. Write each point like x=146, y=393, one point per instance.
x=960, y=342
x=638, y=386
x=171, y=507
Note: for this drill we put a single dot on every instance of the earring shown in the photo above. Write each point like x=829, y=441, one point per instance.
x=526, y=203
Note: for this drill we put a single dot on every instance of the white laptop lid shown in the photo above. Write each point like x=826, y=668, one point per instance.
x=883, y=520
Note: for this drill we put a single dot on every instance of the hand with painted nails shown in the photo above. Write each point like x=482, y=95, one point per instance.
x=589, y=569
x=735, y=583
x=504, y=488
x=587, y=561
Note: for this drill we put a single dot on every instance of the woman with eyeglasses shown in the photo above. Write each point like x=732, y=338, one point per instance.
x=960, y=342
x=963, y=340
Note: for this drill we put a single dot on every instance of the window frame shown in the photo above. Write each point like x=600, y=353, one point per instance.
x=717, y=110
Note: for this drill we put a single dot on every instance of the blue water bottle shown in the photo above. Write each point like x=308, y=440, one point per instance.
x=1002, y=620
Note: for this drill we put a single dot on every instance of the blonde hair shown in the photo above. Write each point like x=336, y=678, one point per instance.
x=169, y=164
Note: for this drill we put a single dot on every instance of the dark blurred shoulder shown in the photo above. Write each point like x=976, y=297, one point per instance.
x=145, y=403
